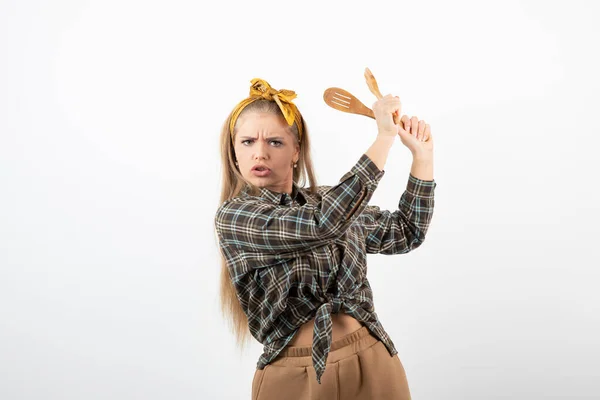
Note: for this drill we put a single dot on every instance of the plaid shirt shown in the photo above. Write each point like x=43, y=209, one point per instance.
x=294, y=258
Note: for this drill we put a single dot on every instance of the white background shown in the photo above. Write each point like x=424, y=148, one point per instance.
x=110, y=114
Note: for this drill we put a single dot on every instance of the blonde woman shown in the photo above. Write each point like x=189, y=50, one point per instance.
x=294, y=272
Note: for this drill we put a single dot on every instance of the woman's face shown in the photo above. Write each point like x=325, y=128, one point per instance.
x=266, y=139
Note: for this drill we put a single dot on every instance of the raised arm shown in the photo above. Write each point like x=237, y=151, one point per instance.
x=252, y=225
x=404, y=229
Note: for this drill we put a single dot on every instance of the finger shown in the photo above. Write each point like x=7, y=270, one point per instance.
x=392, y=106
x=427, y=133
x=414, y=126
x=405, y=122
x=393, y=100
x=397, y=105
x=421, y=130
x=386, y=104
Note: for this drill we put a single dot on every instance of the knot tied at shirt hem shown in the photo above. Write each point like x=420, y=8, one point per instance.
x=322, y=333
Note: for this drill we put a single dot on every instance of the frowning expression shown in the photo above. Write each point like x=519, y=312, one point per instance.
x=265, y=149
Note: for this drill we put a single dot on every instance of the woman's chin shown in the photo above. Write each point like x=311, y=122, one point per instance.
x=260, y=181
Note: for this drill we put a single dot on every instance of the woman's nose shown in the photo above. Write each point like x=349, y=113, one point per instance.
x=261, y=150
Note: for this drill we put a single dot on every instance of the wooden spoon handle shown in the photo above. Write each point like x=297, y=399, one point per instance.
x=374, y=88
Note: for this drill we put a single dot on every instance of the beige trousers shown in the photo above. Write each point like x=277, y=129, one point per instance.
x=359, y=367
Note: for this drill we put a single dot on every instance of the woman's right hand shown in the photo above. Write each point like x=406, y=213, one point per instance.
x=384, y=109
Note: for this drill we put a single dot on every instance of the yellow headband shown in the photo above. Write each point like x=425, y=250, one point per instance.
x=261, y=89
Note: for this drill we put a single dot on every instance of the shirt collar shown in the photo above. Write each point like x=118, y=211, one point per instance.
x=281, y=198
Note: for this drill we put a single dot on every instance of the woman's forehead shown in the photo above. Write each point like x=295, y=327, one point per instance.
x=262, y=123
x=261, y=118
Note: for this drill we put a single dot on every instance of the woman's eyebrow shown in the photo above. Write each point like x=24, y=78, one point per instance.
x=268, y=138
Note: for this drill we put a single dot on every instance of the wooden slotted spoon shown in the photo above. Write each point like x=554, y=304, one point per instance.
x=345, y=101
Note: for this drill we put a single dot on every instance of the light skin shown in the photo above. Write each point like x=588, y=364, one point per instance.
x=264, y=138
x=415, y=134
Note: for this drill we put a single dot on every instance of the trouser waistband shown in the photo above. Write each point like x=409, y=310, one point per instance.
x=340, y=348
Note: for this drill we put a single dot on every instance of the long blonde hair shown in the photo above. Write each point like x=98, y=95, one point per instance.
x=232, y=183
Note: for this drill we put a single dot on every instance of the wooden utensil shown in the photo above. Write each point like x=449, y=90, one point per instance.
x=374, y=88
x=345, y=101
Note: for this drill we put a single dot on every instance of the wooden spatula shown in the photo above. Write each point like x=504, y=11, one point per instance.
x=372, y=83
x=346, y=102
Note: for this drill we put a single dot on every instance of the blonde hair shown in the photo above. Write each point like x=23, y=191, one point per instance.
x=232, y=183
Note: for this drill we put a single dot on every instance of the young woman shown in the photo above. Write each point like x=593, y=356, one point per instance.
x=294, y=271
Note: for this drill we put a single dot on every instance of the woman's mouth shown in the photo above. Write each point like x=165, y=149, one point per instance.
x=261, y=172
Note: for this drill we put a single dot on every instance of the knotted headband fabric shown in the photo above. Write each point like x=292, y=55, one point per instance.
x=260, y=89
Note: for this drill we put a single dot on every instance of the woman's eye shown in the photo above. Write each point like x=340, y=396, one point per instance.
x=277, y=142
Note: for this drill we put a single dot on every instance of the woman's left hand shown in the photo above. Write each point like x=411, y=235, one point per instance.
x=416, y=135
